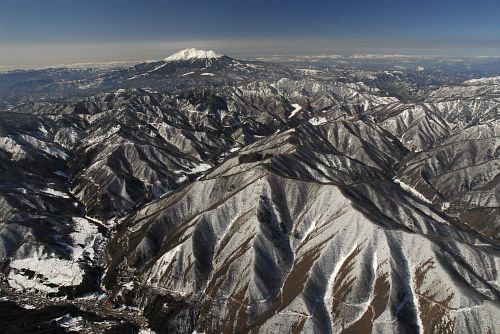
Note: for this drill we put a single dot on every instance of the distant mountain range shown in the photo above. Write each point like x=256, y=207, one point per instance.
x=202, y=193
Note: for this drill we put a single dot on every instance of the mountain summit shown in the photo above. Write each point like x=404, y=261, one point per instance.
x=185, y=65
x=191, y=53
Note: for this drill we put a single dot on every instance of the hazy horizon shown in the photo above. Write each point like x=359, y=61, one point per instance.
x=22, y=56
x=52, y=32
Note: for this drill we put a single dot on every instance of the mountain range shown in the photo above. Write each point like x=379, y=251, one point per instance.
x=206, y=194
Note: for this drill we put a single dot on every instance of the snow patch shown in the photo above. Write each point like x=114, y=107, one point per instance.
x=410, y=189
x=296, y=109
x=199, y=168
x=28, y=307
x=85, y=238
x=327, y=299
x=54, y=192
x=317, y=120
x=445, y=206
x=309, y=71
x=11, y=146
x=48, y=148
x=70, y=323
x=43, y=130
x=181, y=179
x=46, y=273
x=415, y=302
x=309, y=230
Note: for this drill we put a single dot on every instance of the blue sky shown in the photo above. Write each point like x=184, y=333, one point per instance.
x=120, y=29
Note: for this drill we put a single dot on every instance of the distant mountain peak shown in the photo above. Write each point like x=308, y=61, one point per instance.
x=192, y=53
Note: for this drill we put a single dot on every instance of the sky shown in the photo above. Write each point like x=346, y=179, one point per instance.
x=47, y=32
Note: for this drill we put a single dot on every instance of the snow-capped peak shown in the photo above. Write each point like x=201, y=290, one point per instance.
x=192, y=53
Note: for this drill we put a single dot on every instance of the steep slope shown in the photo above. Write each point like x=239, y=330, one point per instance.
x=290, y=235
x=47, y=243
x=462, y=175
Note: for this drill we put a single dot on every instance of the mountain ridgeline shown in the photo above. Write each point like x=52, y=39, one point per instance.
x=202, y=193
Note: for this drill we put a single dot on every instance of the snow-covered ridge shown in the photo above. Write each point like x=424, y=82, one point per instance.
x=192, y=53
x=484, y=81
